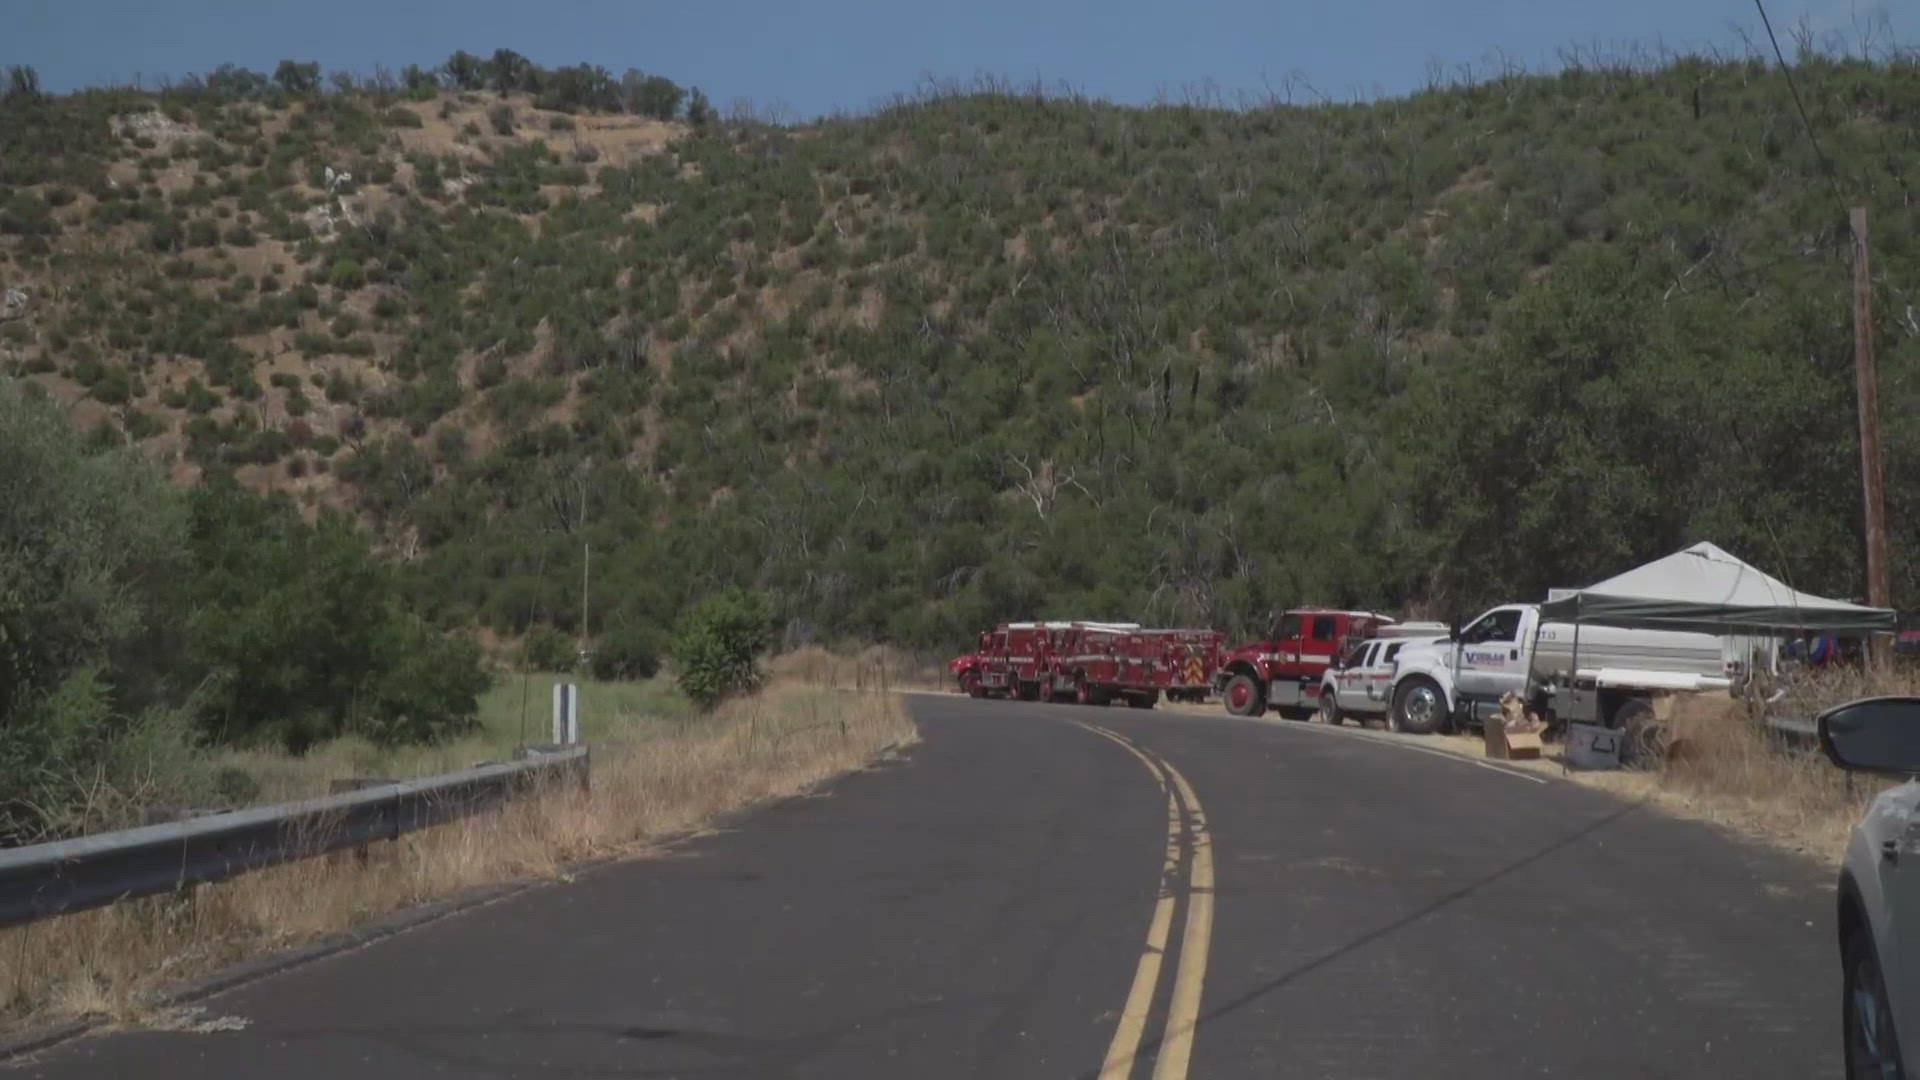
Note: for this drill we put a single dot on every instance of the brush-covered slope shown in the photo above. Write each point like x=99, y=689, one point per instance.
x=989, y=355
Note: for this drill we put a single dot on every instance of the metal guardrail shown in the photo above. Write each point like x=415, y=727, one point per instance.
x=1799, y=733
x=90, y=871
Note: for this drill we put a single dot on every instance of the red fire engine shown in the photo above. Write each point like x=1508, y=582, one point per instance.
x=1284, y=672
x=1191, y=656
x=1092, y=662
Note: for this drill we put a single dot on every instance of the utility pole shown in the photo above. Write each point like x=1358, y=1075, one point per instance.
x=586, y=573
x=1867, y=382
x=526, y=672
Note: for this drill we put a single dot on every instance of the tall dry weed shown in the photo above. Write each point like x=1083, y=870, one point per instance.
x=880, y=667
x=1726, y=766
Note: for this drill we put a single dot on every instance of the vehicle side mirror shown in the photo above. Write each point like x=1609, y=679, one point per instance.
x=1453, y=630
x=1876, y=735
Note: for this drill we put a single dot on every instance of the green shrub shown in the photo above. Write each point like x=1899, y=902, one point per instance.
x=116, y=386
x=432, y=689
x=626, y=652
x=199, y=399
x=717, y=645
x=142, y=425
x=301, y=634
x=235, y=787
x=24, y=215
x=346, y=274
x=547, y=649
x=76, y=662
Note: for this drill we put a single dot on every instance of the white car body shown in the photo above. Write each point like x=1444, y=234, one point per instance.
x=1880, y=890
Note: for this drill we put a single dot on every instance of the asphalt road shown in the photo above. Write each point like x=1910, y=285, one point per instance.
x=1025, y=896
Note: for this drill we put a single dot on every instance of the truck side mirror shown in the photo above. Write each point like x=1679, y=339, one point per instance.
x=1453, y=630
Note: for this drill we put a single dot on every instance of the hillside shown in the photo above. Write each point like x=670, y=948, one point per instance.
x=992, y=354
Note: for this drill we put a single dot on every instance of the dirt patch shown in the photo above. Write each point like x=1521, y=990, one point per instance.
x=866, y=314
x=615, y=138
x=154, y=125
x=1478, y=178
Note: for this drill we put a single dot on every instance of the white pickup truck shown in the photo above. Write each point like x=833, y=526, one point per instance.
x=1356, y=685
x=1460, y=678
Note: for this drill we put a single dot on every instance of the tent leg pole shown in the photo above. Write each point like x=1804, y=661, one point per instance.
x=1573, y=688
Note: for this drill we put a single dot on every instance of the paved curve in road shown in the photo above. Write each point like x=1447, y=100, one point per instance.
x=1023, y=896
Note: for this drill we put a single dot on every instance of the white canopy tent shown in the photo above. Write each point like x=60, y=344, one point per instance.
x=1706, y=590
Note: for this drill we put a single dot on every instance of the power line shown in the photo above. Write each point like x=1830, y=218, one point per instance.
x=1794, y=88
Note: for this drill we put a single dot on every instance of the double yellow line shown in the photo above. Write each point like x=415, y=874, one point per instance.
x=1185, y=820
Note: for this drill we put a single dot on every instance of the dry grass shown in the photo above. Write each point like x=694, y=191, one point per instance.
x=1727, y=769
x=875, y=666
x=1811, y=692
x=667, y=781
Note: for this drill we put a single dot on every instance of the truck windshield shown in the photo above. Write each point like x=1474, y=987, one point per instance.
x=1501, y=625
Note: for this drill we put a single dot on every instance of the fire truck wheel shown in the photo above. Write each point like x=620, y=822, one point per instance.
x=1243, y=697
x=1418, y=706
x=1330, y=709
x=970, y=682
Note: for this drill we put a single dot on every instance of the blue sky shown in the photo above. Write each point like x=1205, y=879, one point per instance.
x=813, y=56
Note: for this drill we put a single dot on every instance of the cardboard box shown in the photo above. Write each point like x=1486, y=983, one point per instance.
x=1504, y=745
